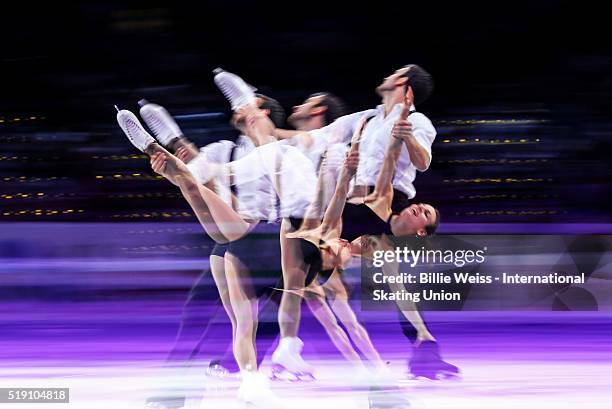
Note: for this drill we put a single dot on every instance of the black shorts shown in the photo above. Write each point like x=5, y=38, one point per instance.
x=219, y=249
x=312, y=256
x=259, y=253
x=296, y=222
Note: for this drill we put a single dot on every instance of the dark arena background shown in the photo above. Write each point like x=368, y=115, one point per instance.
x=98, y=253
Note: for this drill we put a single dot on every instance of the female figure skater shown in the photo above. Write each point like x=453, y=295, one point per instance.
x=166, y=129
x=223, y=224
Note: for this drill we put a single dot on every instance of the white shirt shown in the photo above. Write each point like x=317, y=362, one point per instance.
x=282, y=169
x=256, y=199
x=374, y=143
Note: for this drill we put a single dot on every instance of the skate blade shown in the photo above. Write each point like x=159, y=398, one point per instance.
x=448, y=376
x=222, y=375
x=438, y=376
x=280, y=373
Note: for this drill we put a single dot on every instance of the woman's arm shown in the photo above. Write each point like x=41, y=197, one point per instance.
x=312, y=218
x=384, y=181
x=333, y=214
x=331, y=165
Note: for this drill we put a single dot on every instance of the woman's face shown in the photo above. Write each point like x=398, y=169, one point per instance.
x=340, y=252
x=414, y=219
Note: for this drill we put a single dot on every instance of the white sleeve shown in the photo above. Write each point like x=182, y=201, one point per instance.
x=423, y=131
x=256, y=164
x=218, y=152
x=200, y=169
x=339, y=131
x=270, y=159
x=214, y=153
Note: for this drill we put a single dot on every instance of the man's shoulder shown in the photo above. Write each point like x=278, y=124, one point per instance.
x=420, y=119
x=419, y=116
x=217, y=151
x=356, y=116
x=221, y=144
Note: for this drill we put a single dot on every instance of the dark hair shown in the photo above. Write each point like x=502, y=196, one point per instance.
x=431, y=228
x=420, y=81
x=277, y=113
x=335, y=106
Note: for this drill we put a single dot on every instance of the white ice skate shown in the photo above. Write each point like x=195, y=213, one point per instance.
x=237, y=92
x=255, y=390
x=288, y=361
x=160, y=121
x=133, y=129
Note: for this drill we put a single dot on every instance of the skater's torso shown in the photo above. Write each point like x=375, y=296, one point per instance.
x=361, y=220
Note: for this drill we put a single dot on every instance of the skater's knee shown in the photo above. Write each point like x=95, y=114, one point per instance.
x=314, y=295
x=294, y=279
x=355, y=329
x=244, y=327
x=333, y=329
x=326, y=318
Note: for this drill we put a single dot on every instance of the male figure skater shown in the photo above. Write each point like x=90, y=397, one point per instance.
x=413, y=84
x=331, y=304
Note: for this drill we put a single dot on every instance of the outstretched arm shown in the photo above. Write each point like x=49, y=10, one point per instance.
x=333, y=213
x=331, y=165
x=419, y=156
x=384, y=180
x=312, y=218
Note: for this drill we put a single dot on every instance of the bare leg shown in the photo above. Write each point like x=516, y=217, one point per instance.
x=219, y=220
x=345, y=313
x=294, y=279
x=408, y=308
x=244, y=305
x=217, y=268
x=315, y=299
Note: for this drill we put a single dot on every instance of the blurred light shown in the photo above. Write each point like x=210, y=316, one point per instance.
x=497, y=180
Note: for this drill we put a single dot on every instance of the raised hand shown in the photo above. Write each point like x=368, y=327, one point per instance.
x=351, y=163
x=183, y=154
x=169, y=166
x=402, y=129
x=158, y=163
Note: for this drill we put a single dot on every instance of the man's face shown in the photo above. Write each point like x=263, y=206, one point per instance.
x=394, y=80
x=239, y=116
x=305, y=111
x=415, y=218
